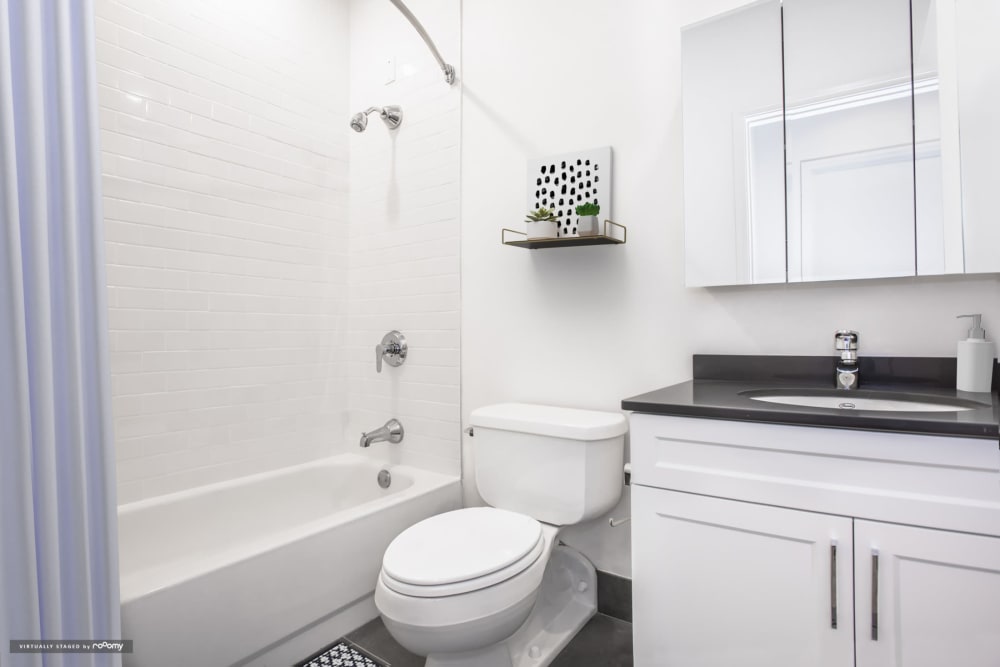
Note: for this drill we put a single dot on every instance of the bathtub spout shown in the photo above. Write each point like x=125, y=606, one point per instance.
x=392, y=432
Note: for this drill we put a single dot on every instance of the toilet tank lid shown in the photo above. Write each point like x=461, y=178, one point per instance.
x=571, y=423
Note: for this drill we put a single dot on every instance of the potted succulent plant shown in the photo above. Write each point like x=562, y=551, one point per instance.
x=542, y=224
x=588, y=219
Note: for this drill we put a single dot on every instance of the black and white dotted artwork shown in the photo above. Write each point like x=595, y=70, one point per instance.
x=560, y=183
x=343, y=654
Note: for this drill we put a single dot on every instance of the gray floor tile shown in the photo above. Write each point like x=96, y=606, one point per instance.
x=603, y=642
x=614, y=595
x=374, y=638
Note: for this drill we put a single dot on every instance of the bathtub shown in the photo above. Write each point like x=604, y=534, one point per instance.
x=221, y=573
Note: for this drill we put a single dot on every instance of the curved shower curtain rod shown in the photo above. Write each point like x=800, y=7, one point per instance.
x=449, y=71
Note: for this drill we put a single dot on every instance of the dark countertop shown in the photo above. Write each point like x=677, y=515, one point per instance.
x=712, y=397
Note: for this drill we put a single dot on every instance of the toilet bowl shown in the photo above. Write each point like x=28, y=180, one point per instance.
x=462, y=580
x=491, y=586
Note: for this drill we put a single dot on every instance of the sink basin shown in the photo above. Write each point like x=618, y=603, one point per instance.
x=842, y=400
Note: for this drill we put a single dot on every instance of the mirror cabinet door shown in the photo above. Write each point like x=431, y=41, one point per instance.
x=849, y=139
x=976, y=73
x=956, y=90
x=938, y=176
x=734, y=206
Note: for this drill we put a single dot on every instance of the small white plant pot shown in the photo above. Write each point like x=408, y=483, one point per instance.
x=545, y=229
x=588, y=226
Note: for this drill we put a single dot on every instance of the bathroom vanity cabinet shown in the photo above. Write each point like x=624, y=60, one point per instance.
x=776, y=545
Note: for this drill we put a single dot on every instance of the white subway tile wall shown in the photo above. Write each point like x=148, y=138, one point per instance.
x=404, y=232
x=225, y=157
x=246, y=288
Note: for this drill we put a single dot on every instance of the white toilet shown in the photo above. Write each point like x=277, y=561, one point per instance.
x=488, y=586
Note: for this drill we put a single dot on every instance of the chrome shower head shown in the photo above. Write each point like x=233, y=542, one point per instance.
x=391, y=115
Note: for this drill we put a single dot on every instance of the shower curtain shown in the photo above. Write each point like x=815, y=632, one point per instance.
x=58, y=548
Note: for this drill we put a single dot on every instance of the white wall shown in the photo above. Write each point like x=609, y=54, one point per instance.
x=590, y=326
x=225, y=196
x=404, y=233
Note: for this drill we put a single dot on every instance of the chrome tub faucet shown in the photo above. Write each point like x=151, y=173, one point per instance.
x=846, y=376
x=392, y=432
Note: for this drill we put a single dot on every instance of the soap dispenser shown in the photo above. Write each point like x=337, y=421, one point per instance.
x=975, y=359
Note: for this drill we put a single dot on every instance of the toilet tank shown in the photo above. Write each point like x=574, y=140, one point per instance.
x=558, y=465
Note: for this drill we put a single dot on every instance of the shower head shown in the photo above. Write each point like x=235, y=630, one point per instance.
x=359, y=122
x=391, y=115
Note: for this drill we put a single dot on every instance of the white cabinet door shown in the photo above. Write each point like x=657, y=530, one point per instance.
x=936, y=593
x=722, y=583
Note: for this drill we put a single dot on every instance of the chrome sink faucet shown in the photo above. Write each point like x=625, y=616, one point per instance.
x=392, y=432
x=846, y=376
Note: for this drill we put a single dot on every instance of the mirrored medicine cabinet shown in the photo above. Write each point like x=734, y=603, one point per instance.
x=837, y=140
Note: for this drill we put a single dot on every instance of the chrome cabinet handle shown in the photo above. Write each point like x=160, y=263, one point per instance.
x=833, y=584
x=874, y=595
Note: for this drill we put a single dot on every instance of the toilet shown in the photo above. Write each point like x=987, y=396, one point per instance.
x=492, y=586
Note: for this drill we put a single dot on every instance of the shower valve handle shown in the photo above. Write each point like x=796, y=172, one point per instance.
x=392, y=349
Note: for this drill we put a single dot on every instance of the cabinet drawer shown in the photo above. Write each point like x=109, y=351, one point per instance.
x=939, y=482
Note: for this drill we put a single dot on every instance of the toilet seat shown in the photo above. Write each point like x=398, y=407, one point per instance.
x=461, y=551
x=469, y=585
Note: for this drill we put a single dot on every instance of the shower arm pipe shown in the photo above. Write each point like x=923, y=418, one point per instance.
x=449, y=71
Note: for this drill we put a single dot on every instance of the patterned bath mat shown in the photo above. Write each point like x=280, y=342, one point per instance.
x=343, y=654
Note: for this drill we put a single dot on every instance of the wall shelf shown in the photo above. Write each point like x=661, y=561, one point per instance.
x=566, y=241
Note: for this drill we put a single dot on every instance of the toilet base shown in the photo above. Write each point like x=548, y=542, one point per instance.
x=497, y=655
x=567, y=599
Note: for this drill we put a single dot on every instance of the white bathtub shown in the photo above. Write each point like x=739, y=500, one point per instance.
x=212, y=576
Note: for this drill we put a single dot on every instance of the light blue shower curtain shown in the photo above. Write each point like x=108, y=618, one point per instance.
x=58, y=547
